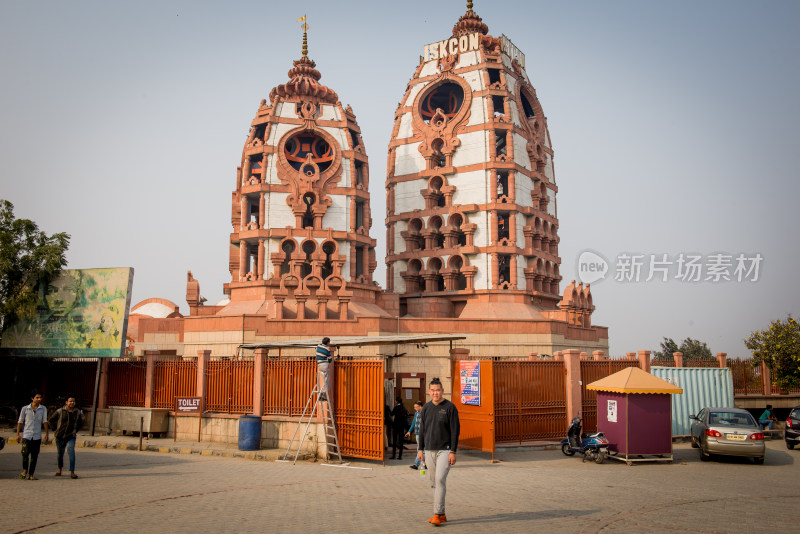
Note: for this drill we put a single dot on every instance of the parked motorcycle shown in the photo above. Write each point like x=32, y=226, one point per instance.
x=592, y=446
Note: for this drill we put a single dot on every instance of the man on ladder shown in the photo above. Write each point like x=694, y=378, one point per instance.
x=324, y=360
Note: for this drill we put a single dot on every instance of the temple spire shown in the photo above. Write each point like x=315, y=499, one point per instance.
x=304, y=26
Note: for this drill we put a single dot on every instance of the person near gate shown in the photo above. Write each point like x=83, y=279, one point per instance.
x=31, y=419
x=324, y=359
x=767, y=418
x=66, y=421
x=437, y=445
x=399, y=416
x=415, y=428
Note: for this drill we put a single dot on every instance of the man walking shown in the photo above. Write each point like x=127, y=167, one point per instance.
x=437, y=445
x=31, y=419
x=324, y=359
x=66, y=422
x=399, y=416
x=416, y=428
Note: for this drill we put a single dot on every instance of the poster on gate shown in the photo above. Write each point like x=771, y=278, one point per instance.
x=470, y=372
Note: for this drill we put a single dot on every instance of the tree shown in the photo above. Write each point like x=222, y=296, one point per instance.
x=668, y=346
x=779, y=348
x=28, y=258
x=692, y=349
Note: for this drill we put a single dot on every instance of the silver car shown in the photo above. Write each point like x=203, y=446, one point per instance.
x=728, y=431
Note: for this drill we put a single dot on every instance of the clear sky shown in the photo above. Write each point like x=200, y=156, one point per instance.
x=674, y=126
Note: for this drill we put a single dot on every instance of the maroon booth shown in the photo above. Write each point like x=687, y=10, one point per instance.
x=634, y=411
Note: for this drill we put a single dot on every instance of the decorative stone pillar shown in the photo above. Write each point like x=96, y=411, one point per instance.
x=512, y=270
x=262, y=223
x=202, y=365
x=245, y=212
x=343, y=308
x=261, y=259
x=678, y=356
x=259, y=362
x=584, y=355
x=644, y=360
x=512, y=188
x=572, y=365
x=242, y=260
x=322, y=307
x=301, y=305
x=533, y=356
x=151, y=356
x=279, y=306
x=598, y=355
x=459, y=353
x=495, y=269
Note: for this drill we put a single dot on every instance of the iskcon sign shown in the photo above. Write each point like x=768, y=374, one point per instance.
x=467, y=43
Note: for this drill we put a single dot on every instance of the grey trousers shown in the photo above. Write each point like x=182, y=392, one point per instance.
x=438, y=465
x=323, y=375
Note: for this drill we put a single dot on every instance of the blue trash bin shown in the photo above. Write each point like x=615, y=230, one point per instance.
x=249, y=433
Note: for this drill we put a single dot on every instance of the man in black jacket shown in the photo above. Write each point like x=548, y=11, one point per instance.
x=399, y=420
x=437, y=445
x=66, y=422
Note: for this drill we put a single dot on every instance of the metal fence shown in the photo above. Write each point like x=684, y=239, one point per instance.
x=173, y=378
x=358, y=407
x=529, y=400
x=127, y=381
x=229, y=386
x=287, y=385
x=591, y=371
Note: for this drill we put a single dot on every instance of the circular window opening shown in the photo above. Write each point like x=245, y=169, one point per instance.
x=448, y=97
x=299, y=147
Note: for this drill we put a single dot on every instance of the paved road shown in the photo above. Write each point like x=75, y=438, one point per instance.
x=526, y=491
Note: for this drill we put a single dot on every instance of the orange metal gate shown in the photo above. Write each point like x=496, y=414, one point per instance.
x=530, y=400
x=287, y=385
x=358, y=406
x=477, y=422
x=591, y=371
x=126, y=383
x=173, y=378
x=229, y=388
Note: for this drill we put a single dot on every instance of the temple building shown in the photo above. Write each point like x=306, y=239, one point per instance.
x=471, y=222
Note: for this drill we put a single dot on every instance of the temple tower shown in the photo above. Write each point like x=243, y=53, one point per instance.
x=472, y=227
x=300, y=246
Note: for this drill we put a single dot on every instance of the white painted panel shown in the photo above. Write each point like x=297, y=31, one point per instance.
x=346, y=176
x=520, y=151
x=287, y=110
x=405, y=130
x=474, y=148
x=522, y=190
x=482, y=234
x=337, y=215
x=272, y=169
x=329, y=113
x=478, y=111
x=520, y=261
x=551, y=206
x=407, y=197
x=515, y=118
x=344, y=248
x=408, y=160
x=399, y=242
x=474, y=79
x=511, y=84
x=548, y=169
x=278, y=215
x=277, y=132
x=431, y=68
x=471, y=187
x=467, y=59
x=519, y=221
x=399, y=283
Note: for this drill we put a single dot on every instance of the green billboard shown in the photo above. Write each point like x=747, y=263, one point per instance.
x=82, y=314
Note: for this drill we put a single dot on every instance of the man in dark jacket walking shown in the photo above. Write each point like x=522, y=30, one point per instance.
x=399, y=416
x=437, y=445
x=66, y=421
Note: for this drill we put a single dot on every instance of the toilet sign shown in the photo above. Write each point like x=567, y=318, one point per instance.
x=189, y=404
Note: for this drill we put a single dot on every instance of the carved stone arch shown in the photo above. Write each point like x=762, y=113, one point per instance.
x=438, y=193
x=455, y=94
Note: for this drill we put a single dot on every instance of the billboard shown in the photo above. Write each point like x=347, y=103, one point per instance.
x=82, y=314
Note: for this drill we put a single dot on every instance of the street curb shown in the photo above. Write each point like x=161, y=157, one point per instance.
x=267, y=455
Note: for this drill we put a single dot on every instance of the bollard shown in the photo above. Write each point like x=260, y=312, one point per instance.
x=141, y=431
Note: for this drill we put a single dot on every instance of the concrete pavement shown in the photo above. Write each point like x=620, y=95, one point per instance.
x=526, y=491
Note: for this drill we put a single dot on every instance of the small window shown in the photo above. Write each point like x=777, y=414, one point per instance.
x=359, y=173
x=494, y=76
x=497, y=103
x=359, y=261
x=354, y=137
x=359, y=214
x=527, y=108
x=500, y=142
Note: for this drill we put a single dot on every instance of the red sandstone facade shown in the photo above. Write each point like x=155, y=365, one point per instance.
x=480, y=263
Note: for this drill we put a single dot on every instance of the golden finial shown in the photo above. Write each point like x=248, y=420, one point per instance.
x=304, y=26
x=469, y=6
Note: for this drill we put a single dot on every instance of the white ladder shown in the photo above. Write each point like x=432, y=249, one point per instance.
x=328, y=422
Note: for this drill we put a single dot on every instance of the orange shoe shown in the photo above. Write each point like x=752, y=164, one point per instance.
x=443, y=518
x=437, y=520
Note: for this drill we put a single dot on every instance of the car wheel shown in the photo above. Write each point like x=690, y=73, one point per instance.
x=704, y=456
x=758, y=461
x=566, y=450
x=694, y=443
x=790, y=445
